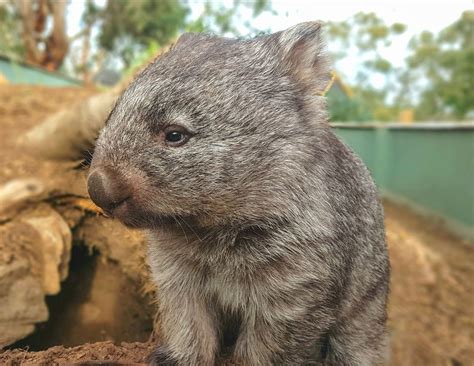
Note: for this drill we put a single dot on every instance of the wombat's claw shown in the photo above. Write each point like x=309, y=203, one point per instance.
x=161, y=356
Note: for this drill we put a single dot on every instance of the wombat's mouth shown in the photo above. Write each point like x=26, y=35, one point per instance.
x=131, y=215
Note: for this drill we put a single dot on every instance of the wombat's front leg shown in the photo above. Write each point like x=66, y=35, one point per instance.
x=188, y=330
x=274, y=338
x=361, y=338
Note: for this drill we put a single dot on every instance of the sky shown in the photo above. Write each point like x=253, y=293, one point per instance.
x=417, y=15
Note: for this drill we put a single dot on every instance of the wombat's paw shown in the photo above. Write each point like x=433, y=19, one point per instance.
x=161, y=356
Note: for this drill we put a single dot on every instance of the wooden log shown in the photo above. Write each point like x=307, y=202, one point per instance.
x=69, y=133
x=16, y=193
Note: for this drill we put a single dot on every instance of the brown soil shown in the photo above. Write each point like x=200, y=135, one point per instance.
x=126, y=353
x=98, y=301
x=432, y=292
x=431, y=306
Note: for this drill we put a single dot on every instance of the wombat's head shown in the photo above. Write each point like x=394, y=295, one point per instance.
x=218, y=130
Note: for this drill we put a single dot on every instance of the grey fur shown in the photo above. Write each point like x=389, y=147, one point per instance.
x=263, y=217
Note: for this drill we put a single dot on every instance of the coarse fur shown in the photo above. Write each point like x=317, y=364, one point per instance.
x=266, y=236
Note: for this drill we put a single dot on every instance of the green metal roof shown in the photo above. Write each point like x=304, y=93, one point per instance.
x=20, y=72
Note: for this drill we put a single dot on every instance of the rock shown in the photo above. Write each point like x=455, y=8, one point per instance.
x=16, y=193
x=55, y=241
x=35, y=249
x=21, y=301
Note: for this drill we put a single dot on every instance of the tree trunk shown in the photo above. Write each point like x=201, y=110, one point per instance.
x=43, y=50
x=85, y=54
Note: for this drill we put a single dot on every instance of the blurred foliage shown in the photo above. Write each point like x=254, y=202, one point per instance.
x=143, y=58
x=367, y=34
x=342, y=108
x=129, y=26
x=436, y=81
x=218, y=18
x=446, y=62
x=128, y=29
x=366, y=30
x=11, y=43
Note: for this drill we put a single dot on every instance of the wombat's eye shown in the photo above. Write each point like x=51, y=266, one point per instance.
x=176, y=135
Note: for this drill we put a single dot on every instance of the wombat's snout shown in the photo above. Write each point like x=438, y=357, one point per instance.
x=108, y=189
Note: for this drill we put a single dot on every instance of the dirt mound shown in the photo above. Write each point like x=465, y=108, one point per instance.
x=431, y=317
x=431, y=309
x=126, y=353
x=431, y=312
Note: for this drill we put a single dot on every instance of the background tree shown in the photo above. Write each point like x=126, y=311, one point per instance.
x=444, y=63
x=223, y=20
x=90, y=17
x=129, y=26
x=44, y=45
x=436, y=80
x=122, y=30
x=11, y=43
x=363, y=36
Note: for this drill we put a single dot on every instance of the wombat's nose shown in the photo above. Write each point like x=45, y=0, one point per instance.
x=107, y=189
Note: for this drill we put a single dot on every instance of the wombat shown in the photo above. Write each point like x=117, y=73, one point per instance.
x=266, y=236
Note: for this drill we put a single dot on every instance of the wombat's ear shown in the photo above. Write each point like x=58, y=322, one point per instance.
x=303, y=53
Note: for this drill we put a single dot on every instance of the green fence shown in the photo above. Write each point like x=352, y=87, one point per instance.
x=430, y=166
x=17, y=72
